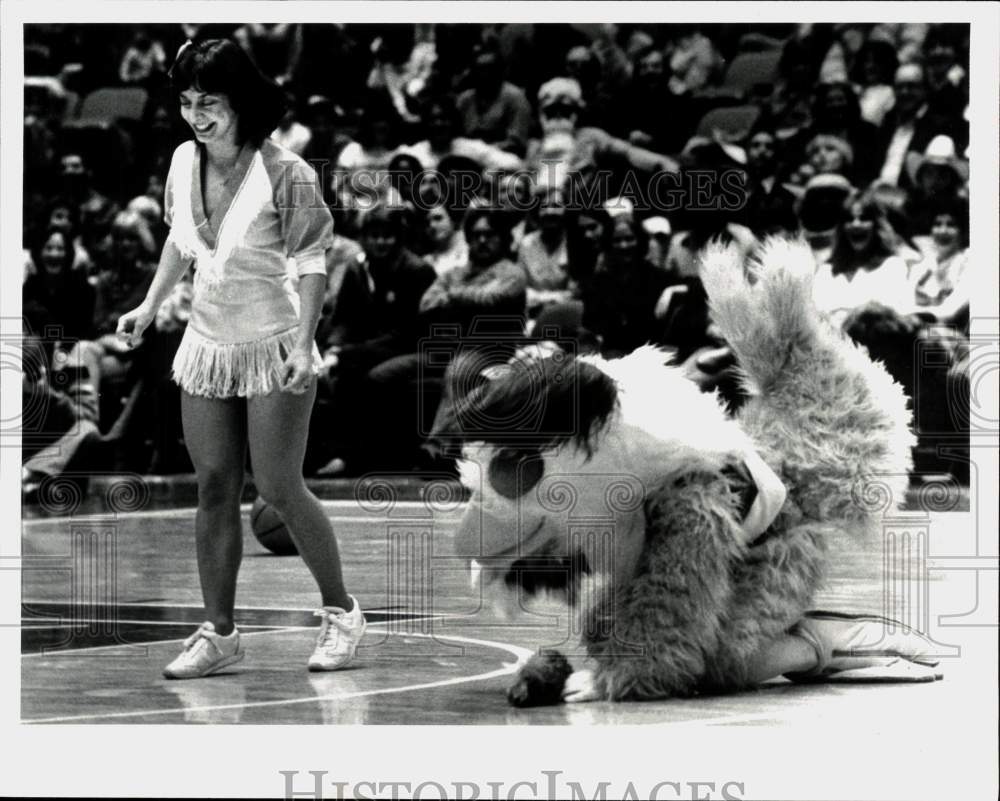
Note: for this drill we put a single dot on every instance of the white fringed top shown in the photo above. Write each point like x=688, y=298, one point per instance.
x=270, y=227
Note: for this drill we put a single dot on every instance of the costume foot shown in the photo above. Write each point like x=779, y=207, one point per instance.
x=888, y=670
x=581, y=686
x=875, y=645
x=540, y=680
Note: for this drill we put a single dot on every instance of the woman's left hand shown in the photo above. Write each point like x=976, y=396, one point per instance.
x=297, y=371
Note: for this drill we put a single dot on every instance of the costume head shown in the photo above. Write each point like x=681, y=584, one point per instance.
x=559, y=454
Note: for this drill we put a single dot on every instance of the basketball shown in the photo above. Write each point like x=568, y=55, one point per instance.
x=269, y=529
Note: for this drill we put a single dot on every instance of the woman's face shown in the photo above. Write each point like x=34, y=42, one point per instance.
x=825, y=157
x=439, y=225
x=624, y=244
x=54, y=254
x=210, y=116
x=946, y=233
x=858, y=229
x=484, y=243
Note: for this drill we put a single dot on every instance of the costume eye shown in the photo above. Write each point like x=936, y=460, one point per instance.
x=513, y=472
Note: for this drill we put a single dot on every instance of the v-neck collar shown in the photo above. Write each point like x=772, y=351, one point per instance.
x=209, y=227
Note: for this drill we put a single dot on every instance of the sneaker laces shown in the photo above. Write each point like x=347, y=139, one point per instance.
x=202, y=635
x=331, y=621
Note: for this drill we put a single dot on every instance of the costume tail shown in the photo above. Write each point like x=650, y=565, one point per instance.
x=828, y=418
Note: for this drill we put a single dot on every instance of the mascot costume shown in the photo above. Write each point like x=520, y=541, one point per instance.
x=691, y=544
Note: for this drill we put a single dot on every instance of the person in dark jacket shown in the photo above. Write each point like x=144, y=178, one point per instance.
x=374, y=318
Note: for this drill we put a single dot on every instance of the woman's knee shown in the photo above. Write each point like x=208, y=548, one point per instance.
x=282, y=492
x=219, y=487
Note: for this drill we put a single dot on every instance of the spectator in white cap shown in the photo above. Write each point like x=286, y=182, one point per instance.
x=938, y=171
x=565, y=149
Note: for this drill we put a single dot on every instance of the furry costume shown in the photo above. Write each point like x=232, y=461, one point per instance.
x=619, y=483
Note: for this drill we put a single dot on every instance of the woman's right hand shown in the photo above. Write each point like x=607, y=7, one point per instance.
x=133, y=324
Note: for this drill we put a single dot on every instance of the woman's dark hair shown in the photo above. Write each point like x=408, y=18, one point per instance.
x=955, y=207
x=220, y=66
x=39, y=245
x=884, y=55
x=845, y=258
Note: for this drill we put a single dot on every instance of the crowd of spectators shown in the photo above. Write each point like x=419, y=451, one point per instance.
x=499, y=188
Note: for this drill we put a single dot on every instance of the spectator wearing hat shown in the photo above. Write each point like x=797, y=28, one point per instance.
x=936, y=173
x=911, y=125
x=494, y=110
x=566, y=149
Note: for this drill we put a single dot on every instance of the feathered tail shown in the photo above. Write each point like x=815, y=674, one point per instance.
x=830, y=419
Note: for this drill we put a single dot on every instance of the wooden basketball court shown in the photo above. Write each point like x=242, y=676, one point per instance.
x=108, y=598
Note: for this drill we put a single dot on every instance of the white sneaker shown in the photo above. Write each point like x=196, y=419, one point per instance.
x=204, y=653
x=865, y=643
x=339, y=635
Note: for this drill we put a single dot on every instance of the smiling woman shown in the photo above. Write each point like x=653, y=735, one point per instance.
x=242, y=210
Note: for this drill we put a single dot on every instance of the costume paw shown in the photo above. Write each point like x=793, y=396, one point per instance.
x=581, y=686
x=540, y=680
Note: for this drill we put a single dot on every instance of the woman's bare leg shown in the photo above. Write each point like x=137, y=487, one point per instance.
x=278, y=425
x=215, y=434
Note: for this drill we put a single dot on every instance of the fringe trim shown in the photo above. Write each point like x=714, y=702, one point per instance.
x=243, y=369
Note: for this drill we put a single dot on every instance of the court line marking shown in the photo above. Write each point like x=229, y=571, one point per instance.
x=515, y=650
x=246, y=507
x=65, y=653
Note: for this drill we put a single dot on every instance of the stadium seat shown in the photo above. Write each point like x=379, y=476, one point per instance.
x=732, y=122
x=105, y=106
x=753, y=73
